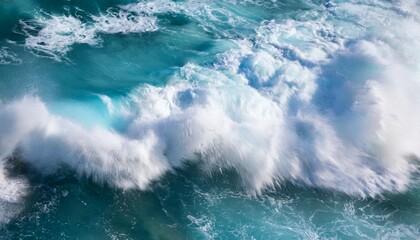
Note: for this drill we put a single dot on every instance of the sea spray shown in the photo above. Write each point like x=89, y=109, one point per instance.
x=303, y=114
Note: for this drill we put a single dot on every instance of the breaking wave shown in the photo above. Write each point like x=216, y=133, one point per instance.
x=319, y=101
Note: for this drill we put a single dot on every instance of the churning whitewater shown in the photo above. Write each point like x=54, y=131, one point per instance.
x=324, y=97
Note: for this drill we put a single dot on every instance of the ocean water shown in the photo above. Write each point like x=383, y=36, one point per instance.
x=209, y=119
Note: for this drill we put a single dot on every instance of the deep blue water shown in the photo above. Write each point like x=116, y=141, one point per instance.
x=227, y=119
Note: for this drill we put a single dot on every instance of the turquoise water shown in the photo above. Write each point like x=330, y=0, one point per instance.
x=209, y=119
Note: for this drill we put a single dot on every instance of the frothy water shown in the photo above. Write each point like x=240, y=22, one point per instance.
x=277, y=106
x=58, y=33
x=8, y=57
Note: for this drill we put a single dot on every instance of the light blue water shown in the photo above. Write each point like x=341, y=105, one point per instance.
x=209, y=119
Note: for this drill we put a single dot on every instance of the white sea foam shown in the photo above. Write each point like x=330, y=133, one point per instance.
x=12, y=190
x=124, y=22
x=8, y=57
x=298, y=102
x=210, y=15
x=54, y=35
x=78, y=147
x=313, y=41
x=57, y=34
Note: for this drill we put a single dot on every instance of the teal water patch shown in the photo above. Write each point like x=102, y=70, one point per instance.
x=94, y=114
x=115, y=65
x=184, y=205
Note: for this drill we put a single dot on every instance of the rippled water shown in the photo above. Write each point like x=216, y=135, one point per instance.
x=209, y=119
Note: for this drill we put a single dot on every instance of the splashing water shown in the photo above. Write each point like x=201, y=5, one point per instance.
x=304, y=113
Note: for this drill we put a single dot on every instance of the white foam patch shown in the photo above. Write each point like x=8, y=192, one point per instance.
x=312, y=41
x=11, y=193
x=11, y=189
x=211, y=16
x=54, y=35
x=9, y=57
x=57, y=34
x=124, y=22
